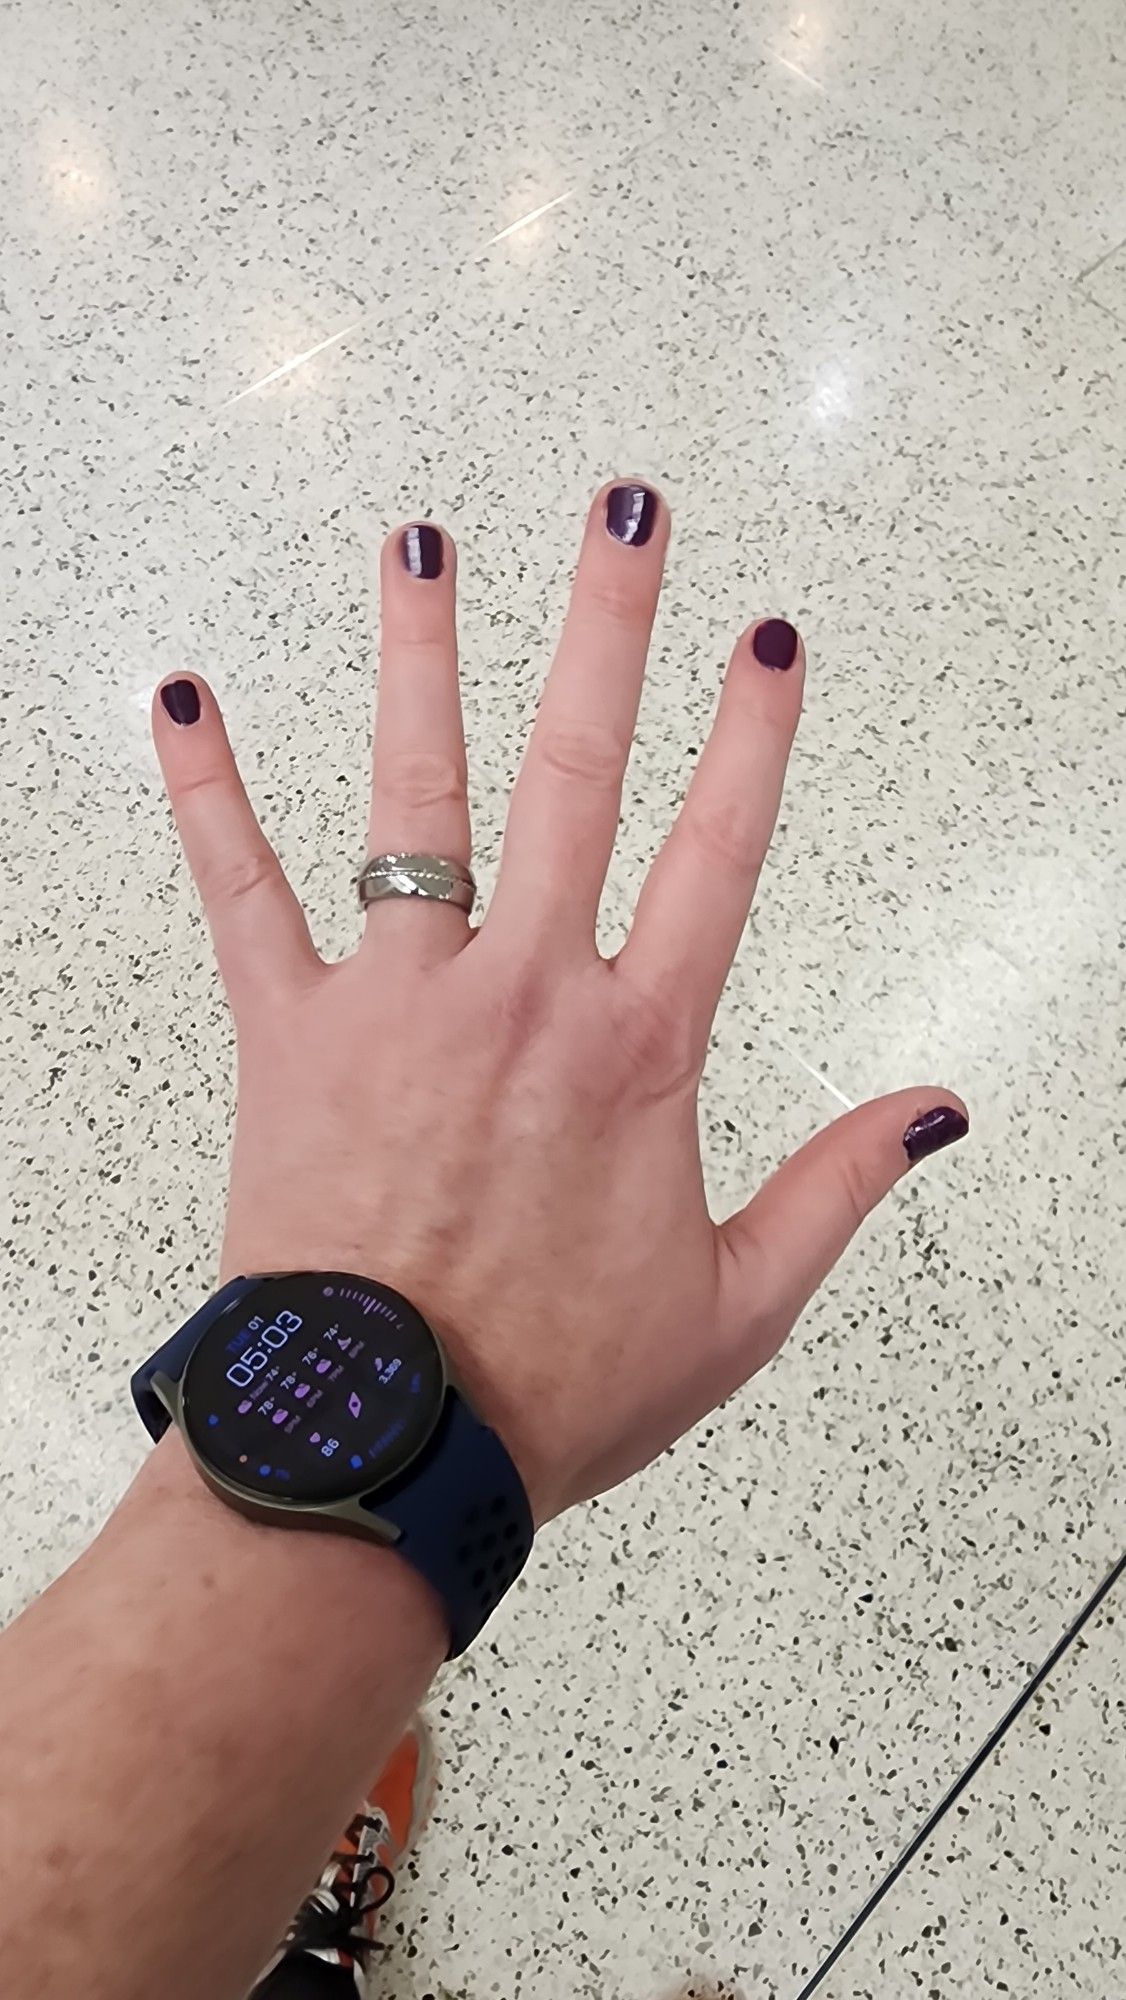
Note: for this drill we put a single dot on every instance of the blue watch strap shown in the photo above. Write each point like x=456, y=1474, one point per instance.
x=173, y=1357
x=459, y=1511
x=463, y=1519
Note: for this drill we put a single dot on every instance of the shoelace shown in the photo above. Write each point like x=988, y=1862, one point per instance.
x=326, y=1918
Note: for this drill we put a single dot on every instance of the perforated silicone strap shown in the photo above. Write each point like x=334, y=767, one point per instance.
x=463, y=1519
x=459, y=1510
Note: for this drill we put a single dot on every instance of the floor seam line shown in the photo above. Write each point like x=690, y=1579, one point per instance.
x=965, y=1777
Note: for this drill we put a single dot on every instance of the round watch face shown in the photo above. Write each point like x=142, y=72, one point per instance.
x=313, y=1388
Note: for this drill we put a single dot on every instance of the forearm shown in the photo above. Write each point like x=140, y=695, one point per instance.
x=196, y=1705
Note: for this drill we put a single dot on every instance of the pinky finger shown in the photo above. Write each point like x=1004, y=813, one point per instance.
x=257, y=924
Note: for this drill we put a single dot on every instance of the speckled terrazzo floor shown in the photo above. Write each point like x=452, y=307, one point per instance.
x=850, y=281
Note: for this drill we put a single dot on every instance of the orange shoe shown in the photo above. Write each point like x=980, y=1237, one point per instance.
x=337, y=1923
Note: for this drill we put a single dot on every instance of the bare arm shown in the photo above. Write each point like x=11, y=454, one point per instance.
x=502, y=1126
x=188, y=1717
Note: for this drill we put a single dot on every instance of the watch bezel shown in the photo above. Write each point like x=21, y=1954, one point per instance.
x=351, y=1509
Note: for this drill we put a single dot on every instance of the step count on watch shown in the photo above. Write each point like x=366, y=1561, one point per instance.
x=323, y=1400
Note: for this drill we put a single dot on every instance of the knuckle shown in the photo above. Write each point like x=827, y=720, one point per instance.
x=234, y=877
x=417, y=780
x=725, y=835
x=657, y=1043
x=524, y=1001
x=585, y=751
x=427, y=643
x=614, y=597
x=199, y=784
x=858, y=1190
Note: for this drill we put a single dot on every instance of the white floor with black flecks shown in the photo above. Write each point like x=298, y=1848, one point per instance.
x=849, y=282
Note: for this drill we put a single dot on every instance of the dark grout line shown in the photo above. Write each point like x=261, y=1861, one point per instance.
x=1107, y=312
x=966, y=1777
x=1089, y=270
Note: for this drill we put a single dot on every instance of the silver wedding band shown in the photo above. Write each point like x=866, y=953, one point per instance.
x=428, y=876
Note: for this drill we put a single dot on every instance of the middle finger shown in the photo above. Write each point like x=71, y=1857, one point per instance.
x=564, y=811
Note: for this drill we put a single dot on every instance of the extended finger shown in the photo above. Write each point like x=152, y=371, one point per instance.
x=419, y=799
x=256, y=921
x=787, y=1239
x=694, y=905
x=564, y=811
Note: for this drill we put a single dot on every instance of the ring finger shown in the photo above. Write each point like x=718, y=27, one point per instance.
x=419, y=801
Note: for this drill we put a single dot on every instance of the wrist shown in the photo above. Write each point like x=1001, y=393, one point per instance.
x=362, y=1590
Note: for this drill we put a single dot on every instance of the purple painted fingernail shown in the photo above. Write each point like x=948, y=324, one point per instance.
x=181, y=701
x=422, y=551
x=631, y=514
x=934, y=1130
x=775, y=644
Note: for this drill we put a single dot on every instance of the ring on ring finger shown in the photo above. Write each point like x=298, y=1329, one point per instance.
x=423, y=877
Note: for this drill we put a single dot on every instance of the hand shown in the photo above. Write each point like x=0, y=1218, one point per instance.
x=498, y=1122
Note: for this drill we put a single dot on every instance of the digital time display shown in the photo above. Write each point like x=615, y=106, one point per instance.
x=314, y=1388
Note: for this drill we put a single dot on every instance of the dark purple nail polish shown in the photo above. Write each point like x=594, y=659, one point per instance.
x=631, y=514
x=775, y=644
x=422, y=551
x=181, y=701
x=934, y=1130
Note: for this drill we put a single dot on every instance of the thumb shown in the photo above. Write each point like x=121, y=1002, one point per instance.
x=790, y=1235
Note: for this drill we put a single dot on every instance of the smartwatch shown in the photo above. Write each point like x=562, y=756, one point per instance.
x=322, y=1400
